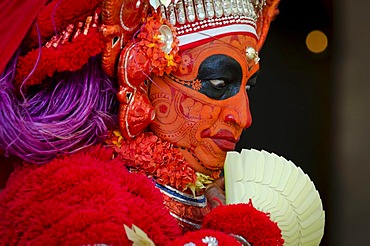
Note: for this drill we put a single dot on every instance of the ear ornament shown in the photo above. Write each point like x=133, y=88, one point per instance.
x=149, y=46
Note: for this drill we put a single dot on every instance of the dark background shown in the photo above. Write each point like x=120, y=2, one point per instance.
x=291, y=103
x=311, y=108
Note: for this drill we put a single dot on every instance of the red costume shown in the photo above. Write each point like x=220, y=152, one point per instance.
x=132, y=129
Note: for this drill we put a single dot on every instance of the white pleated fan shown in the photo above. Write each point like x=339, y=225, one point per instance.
x=277, y=186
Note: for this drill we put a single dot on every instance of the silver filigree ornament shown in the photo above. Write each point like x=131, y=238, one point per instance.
x=252, y=54
x=166, y=38
x=211, y=241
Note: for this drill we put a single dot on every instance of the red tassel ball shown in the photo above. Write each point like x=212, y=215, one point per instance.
x=246, y=221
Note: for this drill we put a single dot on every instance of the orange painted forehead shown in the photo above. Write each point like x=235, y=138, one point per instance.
x=234, y=46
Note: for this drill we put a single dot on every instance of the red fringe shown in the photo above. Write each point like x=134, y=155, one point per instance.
x=67, y=12
x=67, y=57
x=246, y=221
x=82, y=199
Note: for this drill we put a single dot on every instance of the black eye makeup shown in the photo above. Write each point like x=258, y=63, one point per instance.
x=221, y=77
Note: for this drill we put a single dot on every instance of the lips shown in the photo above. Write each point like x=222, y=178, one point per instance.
x=224, y=139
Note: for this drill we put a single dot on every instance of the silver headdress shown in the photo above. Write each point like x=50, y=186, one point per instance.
x=197, y=20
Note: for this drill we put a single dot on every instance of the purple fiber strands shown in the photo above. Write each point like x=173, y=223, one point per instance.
x=72, y=114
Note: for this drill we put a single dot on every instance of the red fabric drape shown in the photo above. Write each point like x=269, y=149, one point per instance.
x=16, y=18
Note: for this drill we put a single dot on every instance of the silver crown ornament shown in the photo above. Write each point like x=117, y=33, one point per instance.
x=193, y=14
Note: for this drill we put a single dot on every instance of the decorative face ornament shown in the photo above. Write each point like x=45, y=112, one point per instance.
x=203, y=107
x=120, y=20
x=135, y=110
x=149, y=47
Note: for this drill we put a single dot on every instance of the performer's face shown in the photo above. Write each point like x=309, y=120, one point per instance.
x=203, y=107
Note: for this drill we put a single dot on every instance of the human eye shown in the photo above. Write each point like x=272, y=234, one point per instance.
x=218, y=83
x=221, y=76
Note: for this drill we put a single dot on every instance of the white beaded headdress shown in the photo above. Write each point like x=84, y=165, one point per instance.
x=197, y=21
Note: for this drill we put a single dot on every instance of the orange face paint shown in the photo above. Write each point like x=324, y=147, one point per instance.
x=203, y=128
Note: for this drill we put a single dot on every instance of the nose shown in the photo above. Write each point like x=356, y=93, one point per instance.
x=230, y=118
x=237, y=112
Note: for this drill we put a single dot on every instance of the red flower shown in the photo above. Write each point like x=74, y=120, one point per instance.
x=151, y=44
x=149, y=155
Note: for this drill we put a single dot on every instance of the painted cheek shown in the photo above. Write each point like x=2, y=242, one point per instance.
x=196, y=110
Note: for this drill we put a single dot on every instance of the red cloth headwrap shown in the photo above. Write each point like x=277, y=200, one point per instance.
x=16, y=18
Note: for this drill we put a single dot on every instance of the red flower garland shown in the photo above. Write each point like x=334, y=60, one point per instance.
x=149, y=155
x=151, y=45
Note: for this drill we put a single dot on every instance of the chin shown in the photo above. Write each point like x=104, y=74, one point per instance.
x=203, y=160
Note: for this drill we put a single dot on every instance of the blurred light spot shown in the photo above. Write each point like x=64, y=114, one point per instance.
x=316, y=41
